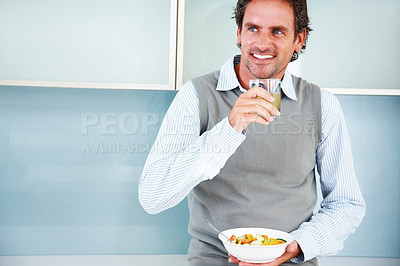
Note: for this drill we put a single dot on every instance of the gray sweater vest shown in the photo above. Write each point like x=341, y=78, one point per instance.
x=268, y=182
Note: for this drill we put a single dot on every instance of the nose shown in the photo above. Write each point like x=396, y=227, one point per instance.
x=264, y=41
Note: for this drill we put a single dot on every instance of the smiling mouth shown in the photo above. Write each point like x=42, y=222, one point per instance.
x=259, y=56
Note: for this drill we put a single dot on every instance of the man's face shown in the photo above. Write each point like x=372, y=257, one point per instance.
x=268, y=39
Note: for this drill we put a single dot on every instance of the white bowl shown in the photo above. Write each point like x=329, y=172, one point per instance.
x=255, y=254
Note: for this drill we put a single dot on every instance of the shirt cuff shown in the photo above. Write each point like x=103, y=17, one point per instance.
x=227, y=137
x=307, y=244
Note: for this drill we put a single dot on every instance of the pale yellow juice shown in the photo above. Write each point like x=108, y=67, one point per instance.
x=277, y=100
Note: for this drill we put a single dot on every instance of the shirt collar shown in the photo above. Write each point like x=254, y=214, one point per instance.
x=229, y=81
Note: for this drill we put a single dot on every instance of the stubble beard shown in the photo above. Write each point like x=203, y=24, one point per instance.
x=267, y=74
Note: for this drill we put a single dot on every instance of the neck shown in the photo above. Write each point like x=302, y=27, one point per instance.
x=242, y=80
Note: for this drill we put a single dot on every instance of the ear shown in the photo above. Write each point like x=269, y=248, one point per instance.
x=300, y=39
x=238, y=34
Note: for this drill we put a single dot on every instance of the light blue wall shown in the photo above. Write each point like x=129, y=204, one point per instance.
x=61, y=195
x=354, y=44
x=373, y=127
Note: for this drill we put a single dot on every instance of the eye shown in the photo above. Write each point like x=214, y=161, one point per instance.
x=252, y=29
x=278, y=32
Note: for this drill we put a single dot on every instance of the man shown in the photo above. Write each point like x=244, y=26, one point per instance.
x=220, y=146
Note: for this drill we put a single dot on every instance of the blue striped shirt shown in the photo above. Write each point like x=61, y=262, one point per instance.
x=177, y=163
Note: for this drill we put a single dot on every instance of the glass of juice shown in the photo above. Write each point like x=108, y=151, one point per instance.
x=272, y=86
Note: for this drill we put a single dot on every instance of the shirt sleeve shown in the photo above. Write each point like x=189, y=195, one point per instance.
x=343, y=206
x=180, y=159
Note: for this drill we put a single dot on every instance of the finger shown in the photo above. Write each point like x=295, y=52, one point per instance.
x=232, y=259
x=255, y=118
x=243, y=263
x=265, y=110
x=255, y=103
x=292, y=251
x=258, y=92
x=291, y=248
x=244, y=120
